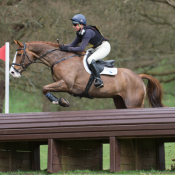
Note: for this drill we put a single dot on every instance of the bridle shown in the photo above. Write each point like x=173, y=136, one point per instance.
x=30, y=61
x=38, y=59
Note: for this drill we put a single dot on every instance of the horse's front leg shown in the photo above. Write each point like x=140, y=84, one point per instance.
x=59, y=86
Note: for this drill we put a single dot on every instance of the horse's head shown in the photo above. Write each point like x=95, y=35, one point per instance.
x=22, y=60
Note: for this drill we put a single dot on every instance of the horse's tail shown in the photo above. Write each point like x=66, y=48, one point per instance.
x=154, y=91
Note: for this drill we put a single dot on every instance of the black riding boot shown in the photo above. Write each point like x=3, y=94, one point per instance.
x=98, y=82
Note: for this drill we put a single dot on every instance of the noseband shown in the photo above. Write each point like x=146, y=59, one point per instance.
x=30, y=61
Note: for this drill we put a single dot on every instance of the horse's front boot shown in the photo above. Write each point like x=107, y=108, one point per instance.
x=56, y=101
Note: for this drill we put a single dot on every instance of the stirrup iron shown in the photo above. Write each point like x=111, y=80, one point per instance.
x=100, y=85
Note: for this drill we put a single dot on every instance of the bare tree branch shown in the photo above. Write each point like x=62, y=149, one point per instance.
x=168, y=80
x=170, y=2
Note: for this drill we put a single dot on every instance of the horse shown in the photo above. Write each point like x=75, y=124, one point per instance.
x=126, y=87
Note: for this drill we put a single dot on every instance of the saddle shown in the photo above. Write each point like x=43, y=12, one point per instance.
x=101, y=64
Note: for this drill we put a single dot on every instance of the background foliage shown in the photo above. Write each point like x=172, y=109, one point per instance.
x=141, y=34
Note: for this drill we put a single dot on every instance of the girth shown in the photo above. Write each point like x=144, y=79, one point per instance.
x=85, y=93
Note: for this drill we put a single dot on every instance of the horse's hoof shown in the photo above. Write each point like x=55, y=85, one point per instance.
x=63, y=102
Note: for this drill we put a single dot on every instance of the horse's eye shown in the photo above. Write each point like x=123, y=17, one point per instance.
x=18, y=54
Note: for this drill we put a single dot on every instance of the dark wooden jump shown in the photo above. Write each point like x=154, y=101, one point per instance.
x=75, y=139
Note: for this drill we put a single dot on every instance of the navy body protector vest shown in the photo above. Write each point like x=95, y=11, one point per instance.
x=98, y=38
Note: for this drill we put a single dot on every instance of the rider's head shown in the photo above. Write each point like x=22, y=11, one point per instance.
x=78, y=21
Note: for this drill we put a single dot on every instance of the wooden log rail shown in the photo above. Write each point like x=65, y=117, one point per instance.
x=88, y=124
x=136, y=138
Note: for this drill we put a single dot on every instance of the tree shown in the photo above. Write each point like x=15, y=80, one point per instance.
x=140, y=33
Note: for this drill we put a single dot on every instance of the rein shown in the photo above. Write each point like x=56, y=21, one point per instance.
x=30, y=61
x=64, y=59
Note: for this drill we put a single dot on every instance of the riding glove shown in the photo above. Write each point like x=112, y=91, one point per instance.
x=64, y=48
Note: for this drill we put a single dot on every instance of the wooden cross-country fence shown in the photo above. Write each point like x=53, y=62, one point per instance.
x=75, y=139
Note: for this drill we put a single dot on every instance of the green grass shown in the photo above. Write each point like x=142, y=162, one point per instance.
x=106, y=156
x=168, y=99
x=43, y=157
x=21, y=102
x=88, y=172
x=169, y=155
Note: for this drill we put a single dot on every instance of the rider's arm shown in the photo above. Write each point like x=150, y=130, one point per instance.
x=74, y=43
x=88, y=35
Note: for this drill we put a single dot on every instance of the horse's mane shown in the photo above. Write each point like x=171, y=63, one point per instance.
x=52, y=44
x=45, y=42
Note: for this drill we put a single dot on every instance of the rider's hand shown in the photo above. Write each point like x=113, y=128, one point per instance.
x=64, y=48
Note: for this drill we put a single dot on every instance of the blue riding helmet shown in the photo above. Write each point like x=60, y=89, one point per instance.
x=75, y=22
x=79, y=19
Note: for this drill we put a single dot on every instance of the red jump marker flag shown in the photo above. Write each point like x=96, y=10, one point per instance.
x=2, y=53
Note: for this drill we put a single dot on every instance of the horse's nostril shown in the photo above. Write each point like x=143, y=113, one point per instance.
x=12, y=72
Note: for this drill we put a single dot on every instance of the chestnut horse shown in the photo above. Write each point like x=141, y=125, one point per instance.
x=126, y=87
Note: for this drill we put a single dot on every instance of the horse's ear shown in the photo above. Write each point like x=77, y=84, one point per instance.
x=18, y=43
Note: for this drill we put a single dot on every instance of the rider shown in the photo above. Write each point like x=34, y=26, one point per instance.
x=89, y=34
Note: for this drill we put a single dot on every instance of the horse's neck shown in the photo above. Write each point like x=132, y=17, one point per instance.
x=41, y=49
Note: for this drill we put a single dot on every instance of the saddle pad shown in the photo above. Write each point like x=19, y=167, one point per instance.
x=106, y=70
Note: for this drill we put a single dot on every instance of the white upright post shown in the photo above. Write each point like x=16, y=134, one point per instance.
x=7, y=51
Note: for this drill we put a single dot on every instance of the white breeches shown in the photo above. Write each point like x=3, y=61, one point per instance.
x=100, y=52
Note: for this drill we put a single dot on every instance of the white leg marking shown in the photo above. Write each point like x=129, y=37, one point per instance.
x=55, y=102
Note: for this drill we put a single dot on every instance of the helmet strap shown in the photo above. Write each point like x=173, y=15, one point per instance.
x=79, y=27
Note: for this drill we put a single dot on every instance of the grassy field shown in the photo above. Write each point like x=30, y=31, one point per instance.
x=169, y=155
x=26, y=103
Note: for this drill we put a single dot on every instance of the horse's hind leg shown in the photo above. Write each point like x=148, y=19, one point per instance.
x=135, y=100
x=119, y=102
x=59, y=86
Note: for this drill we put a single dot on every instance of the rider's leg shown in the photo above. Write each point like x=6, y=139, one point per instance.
x=98, y=53
x=98, y=82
